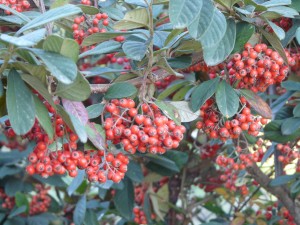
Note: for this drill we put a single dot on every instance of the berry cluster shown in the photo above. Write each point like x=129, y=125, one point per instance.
x=162, y=84
x=217, y=127
x=81, y=22
x=150, y=131
x=258, y=67
x=139, y=216
x=7, y=202
x=209, y=151
x=41, y=201
x=18, y=5
x=288, y=154
x=284, y=23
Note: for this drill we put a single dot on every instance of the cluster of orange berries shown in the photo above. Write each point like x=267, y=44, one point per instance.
x=140, y=217
x=284, y=23
x=148, y=132
x=258, y=67
x=79, y=30
x=41, y=201
x=216, y=127
x=161, y=84
x=18, y=5
x=209, y=151
x=286, y=217
x=288, y=154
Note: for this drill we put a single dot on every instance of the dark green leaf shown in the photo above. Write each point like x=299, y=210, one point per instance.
x=80, y=210
x=89, y=10
x=95, y=110
x=217, y=53
x=281, y=101
x=17, y=211
x=268, y=153
x=61, y=67
x=120, y=90
x=272, y=132
x=290, y=126
x=147, y=208
x=79, y=90
x=244, y=31
x=291, y=85
x=55, y=180
x=134, y=172
x=203, y=92
x=124, y=199
x=180, y=158
x=100, y=37
x=21, y=200
x=135, y=50
x=163, y=161
x=296, y=111
x=172, y=88
x=43, y=117
x=12, y=186
x=76, y=182
x=20, y=104
x=90, y=218
x=295, y=187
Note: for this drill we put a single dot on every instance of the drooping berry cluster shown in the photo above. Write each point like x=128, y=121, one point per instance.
x=148, y=132
x=258, y=67
x=18, y=5
x=41, y=201
x=217, y=127
x=80, y=23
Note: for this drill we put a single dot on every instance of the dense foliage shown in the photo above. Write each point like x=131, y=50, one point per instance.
x=149, y=112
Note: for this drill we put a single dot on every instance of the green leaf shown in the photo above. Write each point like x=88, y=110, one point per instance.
x=183, y=12
x=203, y=92
x=90, y=218
x=89, y=10
x=278, y=30
x=65, y=116
x=26, y=40
x=64, y=46
x=76, y=109
x=39, y=71
x=20, y=104
x=133, y=19
x=184, y=111
x=80, y=210
x=141, y=3
x=181, y=93
x=134, y=172
x=290, y=126
x=21, y=200
x=16, y=211
x=227, y=99
x=282, y=180
x=295, y=187
x=61, y=67
x=272, y=3
x=135, y=50
x=276, y=44
x=291, y=85
x=37, y=85
x=79, y=90
x=103, y=48
x=169, y=110
x=296, y=111
x=43, y=117
x=120, y=90
x=257, y=103
x=50, y=16
x=163, y=162
x=295, y=5
x=79, y=128
x=272, y=132
x=124, y=199
x=284, y=11
x=209, y=26
x=180, y=158
x=95, y=110
x=147, y=208
x=101, y=37
x=180, y=62
x=228, y=3
x=76, y=182
x=217, y=53
x=244, y=31
x=1, y=89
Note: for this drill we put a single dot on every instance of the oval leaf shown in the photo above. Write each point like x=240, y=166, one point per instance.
x=20, y=104
x=120, y=90
x=79, y=212
x=185, y=113
x=76, y=109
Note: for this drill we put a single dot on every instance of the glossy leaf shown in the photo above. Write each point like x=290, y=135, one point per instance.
x=20, y=104
x=290, y=126
x=79, y=128
x=120, y=90
x=76, y=182
x=95, y=110
x=135, y=50
x=133, y=19
x=217, y=53
x=79, y=90
x=80, y=210
x=134, y=172
x=124, y=199
x=96, y=135
x=50, y=16
x=244, y=31
x=61, y=67
x=172, y=88
x=43, y=117
x=203, y=92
